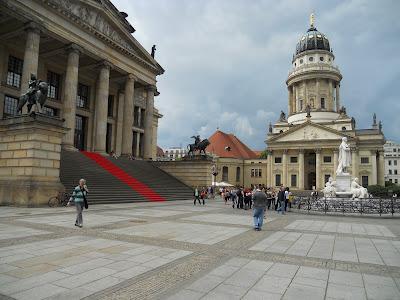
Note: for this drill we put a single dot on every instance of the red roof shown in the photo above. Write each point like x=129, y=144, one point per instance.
x=258, y=152
x=228, y=145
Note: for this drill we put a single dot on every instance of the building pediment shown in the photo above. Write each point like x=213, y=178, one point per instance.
x=309, y=132
x=104, y=20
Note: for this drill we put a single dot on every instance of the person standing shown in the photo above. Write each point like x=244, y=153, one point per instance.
x=259, y=205
x=239, y=195
x=269, y=198
x=196, y=196
x=281, y=200
x=79, y=197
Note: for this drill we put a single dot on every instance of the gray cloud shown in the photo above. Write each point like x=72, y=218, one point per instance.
x=226, y=61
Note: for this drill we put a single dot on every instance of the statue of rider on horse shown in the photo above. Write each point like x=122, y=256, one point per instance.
x=199, y=145
x=36, y=95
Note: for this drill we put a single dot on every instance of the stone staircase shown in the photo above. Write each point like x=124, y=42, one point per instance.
x=119, y=180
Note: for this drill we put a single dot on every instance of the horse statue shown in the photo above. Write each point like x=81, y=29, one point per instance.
x=36, y=94
x=199, y=145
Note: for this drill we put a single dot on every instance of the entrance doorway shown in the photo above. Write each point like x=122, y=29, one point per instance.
x=309, y=170
x=79, y=135
x=108, y=138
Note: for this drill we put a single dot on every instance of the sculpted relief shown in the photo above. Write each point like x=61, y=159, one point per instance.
x=92, y=18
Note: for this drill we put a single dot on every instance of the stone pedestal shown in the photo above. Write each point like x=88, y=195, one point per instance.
x=343, y=183
x=30, y=148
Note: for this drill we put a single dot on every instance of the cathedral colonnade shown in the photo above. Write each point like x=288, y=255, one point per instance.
x=305, y=168
x=104, y=106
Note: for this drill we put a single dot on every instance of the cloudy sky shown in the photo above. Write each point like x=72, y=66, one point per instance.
x=226, y=61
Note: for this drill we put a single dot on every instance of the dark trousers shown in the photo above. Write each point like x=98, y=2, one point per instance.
x=240, y=203
x=196, y=198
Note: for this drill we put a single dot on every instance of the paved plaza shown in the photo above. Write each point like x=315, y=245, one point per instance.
x=174, y=250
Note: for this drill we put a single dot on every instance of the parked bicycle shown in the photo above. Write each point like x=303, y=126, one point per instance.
x=60, y=200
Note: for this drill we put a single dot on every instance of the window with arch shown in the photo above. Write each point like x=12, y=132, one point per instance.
x=224, y=173
x=237, y=174
x=311, y=58
x=343, y=128
x=321, y=58
x=323, y=103
x=301, y=61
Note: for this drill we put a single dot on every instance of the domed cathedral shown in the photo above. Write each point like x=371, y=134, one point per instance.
x=303, y=145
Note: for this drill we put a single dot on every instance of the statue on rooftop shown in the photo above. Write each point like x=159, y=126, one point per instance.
x=282, y=117
x=153, y=51
x=36, y=95
x=199, y=145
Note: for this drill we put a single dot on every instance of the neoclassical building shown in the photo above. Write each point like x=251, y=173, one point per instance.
x=303, y=145
x=102, y=82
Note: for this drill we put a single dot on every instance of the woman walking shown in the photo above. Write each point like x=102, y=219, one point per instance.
x=79, y=197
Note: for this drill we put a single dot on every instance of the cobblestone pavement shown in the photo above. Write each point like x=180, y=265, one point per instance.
x=175, y=250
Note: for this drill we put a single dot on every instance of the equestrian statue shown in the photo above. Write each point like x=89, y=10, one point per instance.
x=36, y=94
x=199, y=145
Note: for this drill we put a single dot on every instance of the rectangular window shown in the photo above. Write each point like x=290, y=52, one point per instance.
x=142, y=114
x=365, y=160
x=252, y=173
x=277, y=179
x=10, y=106
x=50, y=111
x=396, y=181
x=390, y=172
x=390, y=162
x=278, y=160
x=394, y=150
x=14, y=73
x=395, y=172
x=364, y=181
x=82, y=97
x=53, y=80
x=293, y=159
x=260, y=175
x=327, y=177
x=301, y=105
x=323, y=103
x=136, y=116
x=395, y=162
x=327, y=159
x=110, y=106
x=293, y=180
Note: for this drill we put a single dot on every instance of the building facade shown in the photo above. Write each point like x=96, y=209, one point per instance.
x=392, y=162
x=174, y=153
x=303, y=145
x=102, y=82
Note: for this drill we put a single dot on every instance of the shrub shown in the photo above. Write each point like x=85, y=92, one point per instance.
x=378, y=190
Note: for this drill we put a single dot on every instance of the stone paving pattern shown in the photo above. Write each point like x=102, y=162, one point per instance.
x=177, y=251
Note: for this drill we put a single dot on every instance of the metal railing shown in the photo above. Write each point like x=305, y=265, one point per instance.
x=369, y=206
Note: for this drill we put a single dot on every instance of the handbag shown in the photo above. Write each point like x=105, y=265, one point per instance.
x=84, y=199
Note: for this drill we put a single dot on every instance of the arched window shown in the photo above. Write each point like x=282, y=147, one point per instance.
x=311, y=58
x=224, y=173
x=237, y=174
x=343, y=128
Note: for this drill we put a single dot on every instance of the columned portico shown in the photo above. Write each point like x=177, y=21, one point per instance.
x=70, y=92
x=120, y=120
x=285, y=168
x=148, y=122
x=128, y=115
x=101, y=106
x=374, y=179
x=354, y=162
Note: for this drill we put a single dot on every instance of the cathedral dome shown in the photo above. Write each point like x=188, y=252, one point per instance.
x=312, y=40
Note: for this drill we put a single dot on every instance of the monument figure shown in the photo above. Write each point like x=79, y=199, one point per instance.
x=330, y=188
x=199, y=145
x=308, y=110
x=153, y=51
x=357, y=190
x=36, y=95
x=344, y=158
x=282, y=117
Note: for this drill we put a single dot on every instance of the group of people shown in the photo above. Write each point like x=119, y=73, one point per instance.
x=201, y=194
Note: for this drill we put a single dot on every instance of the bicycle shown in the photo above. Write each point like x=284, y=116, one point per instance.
x=60, y=200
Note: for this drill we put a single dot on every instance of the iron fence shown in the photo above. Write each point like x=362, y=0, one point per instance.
x=369, y=206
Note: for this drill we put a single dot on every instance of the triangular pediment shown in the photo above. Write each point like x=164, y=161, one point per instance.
x=309, y=132
x=104, y=19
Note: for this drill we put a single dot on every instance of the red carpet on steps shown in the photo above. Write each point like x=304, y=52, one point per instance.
x=133, y=183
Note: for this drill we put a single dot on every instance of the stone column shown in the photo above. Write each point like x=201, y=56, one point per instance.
x=294, y=110
x=374, y=169
x=337, y=97
x=31, y=55
x=354, y=162
x=70, y=94
x=306, y=102
x=318, y=97
x=381, y=168
x=269, y=168
x=301, y=169
x=127, y=135
x=148, y=123
x=285, y=167
x=335, y=161
x=101, y=107
x=120, y=120
x=318, y=171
